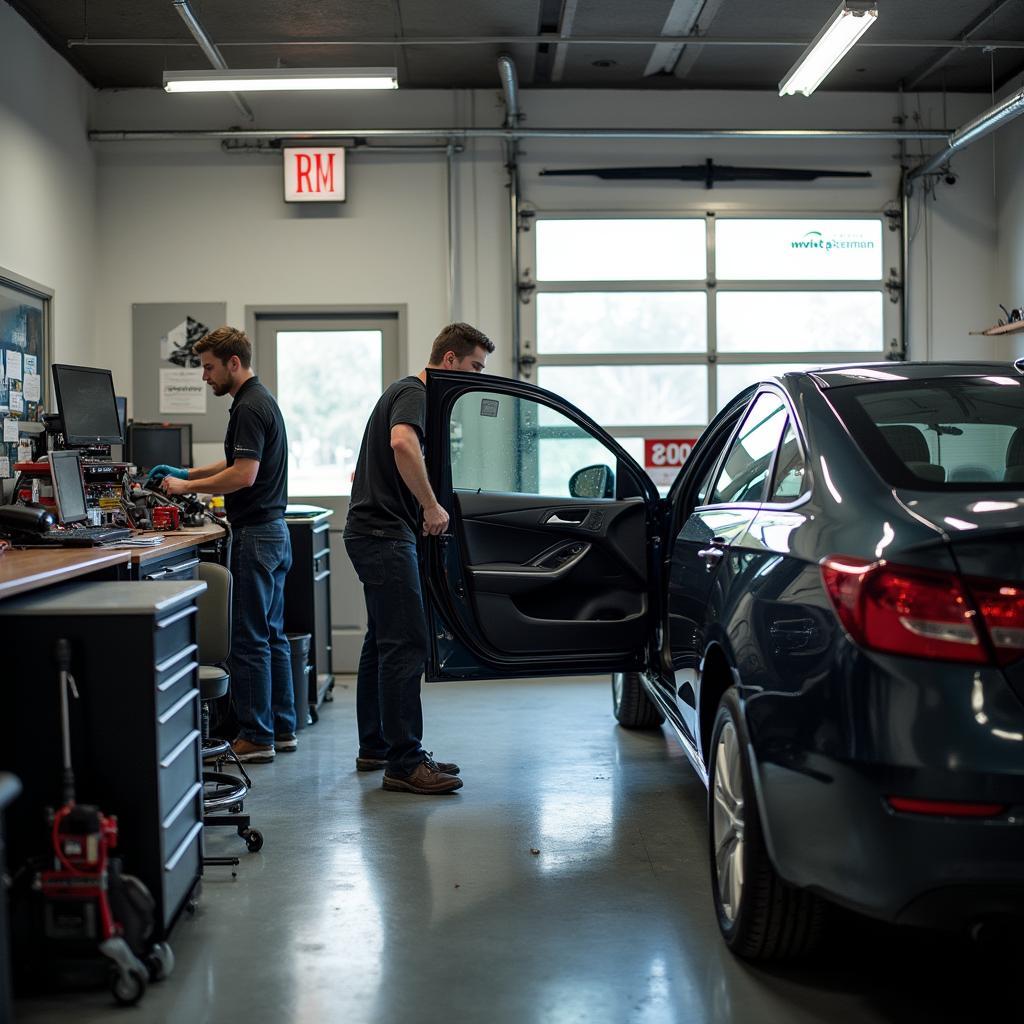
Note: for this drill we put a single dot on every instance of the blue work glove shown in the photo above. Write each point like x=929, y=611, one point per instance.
x=157, y=473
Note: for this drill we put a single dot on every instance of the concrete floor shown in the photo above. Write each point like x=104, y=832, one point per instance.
x=367, y=906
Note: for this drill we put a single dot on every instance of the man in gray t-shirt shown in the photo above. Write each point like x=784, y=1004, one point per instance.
x=390, y=491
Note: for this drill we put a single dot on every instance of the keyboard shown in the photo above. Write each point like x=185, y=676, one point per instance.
x=86, y=537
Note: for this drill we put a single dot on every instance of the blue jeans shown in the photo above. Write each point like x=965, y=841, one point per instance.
x=388, y=708
x=260, y=661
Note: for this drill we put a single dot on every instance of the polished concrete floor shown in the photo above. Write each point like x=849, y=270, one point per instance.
x=566, y=883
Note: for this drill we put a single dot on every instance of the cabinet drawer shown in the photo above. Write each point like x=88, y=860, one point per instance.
x=174, y=632
x=181, y=870
x=173, y=567
x=174, y=676
x=181, y=818
x=179, y=771
x=174, y=724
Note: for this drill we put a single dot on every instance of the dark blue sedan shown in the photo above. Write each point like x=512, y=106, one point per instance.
x=828, y=609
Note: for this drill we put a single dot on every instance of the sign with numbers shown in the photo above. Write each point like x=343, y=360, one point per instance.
x=664, y=456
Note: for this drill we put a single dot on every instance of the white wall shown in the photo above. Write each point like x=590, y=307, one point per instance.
x=48, y=182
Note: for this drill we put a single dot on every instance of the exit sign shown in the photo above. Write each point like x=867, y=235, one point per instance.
x=314, y=175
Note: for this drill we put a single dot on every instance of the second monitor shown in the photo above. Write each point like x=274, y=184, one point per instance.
x=156, y=444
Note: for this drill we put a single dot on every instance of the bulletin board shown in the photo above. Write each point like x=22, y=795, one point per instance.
x=24, y=361
x=167, y=380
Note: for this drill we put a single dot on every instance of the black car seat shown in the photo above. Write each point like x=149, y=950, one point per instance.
x=1014, y=472
x=911, y=447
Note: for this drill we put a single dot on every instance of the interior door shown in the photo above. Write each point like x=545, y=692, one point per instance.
x=547, y=567
x=327, y=370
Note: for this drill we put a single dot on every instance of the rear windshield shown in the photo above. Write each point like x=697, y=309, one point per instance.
x=940, y=434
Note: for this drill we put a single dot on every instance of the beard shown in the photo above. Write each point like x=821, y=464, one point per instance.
x=221, y=389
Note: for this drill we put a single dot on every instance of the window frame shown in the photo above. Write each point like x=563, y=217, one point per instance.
x=711, y=358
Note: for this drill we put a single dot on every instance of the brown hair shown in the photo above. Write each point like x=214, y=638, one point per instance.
x=462, y=339
x=224, y=343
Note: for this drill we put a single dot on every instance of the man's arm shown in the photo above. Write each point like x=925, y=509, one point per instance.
x=202, y=472
x=405, y=443
x=241, y=474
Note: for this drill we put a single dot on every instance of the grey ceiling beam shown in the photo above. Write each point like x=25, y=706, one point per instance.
x=964, y=36
x=557, y=40
x=513, y=134
x=206, y=44
x=680, y=21
x=692, y=51
x=564, y=32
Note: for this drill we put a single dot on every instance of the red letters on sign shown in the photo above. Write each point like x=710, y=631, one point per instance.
x=320, y=181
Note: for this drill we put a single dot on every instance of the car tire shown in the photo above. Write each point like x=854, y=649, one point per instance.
x=760, y=916
x=632, y=708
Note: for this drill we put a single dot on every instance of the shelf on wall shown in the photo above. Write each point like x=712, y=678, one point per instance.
x=1014, y=328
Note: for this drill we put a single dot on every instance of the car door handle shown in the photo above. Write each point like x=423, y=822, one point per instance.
x=711, y=556
x=556, y=520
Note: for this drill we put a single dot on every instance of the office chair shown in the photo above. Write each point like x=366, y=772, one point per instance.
x=222, y=791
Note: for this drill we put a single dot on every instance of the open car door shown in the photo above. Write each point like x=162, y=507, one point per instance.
x=549, y=565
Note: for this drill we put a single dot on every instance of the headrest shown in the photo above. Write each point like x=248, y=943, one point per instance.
x=907, y=442
x=1015, y=449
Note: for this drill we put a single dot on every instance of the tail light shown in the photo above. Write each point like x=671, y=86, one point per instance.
x=917, y=612
x=945, y=808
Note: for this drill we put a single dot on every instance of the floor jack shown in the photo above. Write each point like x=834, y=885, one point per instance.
x=88, y=904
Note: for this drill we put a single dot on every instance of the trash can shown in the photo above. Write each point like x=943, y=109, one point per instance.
x=300, y=677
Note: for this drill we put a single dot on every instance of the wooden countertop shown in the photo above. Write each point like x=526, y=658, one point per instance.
x=21, y=571
x=175, y=540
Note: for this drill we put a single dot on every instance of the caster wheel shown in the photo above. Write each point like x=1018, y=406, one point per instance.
x=235, y=809
x=127, y=986
x=254, y=840
x=160, y=961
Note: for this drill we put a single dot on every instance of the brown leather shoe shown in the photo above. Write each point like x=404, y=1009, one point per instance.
x=377, y=764
x=253, y=753
x=425, y=779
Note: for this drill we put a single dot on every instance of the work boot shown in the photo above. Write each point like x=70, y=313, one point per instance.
x=377, y=764
x=253, y=753
x=424, y=779
x=285, y=742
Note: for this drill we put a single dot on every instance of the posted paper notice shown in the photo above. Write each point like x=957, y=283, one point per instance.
x=31, y=384
x=13, y=365
x=10, y=431
x=182, y=391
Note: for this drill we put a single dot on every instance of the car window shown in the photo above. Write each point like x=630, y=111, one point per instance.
x=940, y=434
x=748, y=463
x=503, y=443
x=789, y=481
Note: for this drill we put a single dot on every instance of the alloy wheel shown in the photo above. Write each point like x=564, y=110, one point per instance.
x=727, y=821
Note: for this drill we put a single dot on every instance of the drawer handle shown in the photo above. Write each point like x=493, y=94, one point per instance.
x=180, y=674
x=180, y=749
x=170, y=570
x=177, y=706
x=165, y=665
x=181, y=805
x=172, y=619
x=183, y=849
x=321, y=575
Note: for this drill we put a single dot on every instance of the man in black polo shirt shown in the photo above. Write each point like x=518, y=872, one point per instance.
x=253, y=477
x=389, y=490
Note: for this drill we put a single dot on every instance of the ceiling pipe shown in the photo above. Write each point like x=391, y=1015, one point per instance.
x=206, y=44
x=555, y=39
x=462, y=134
x=510, y=90
x=978, y=127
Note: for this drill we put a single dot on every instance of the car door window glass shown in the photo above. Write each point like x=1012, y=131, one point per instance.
x=790, y=470
x=502, y=443
x=748, y=463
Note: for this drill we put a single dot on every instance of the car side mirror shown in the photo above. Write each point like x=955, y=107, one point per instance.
x=592, y=482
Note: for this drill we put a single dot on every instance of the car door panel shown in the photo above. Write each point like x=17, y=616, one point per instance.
x=528, y=582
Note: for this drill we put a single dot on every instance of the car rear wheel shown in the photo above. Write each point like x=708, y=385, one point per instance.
x=630, y=703
x=760, y=916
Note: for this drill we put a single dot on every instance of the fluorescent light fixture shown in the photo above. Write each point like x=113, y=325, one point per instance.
x=850, y=21
x=279, y=79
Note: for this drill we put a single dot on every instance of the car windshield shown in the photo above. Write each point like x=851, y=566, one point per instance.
x=947, y=434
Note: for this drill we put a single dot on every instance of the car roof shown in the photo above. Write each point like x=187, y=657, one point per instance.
x=879, y=373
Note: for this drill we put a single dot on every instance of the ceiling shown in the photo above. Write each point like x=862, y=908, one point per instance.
x=151, y=38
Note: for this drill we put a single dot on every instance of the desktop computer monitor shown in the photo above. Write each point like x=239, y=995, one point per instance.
x=85, y=402
x=155, y=444
x=68, y=486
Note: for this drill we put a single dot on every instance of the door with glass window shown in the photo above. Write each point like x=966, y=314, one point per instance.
x=547, y=566
x=327, y=372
